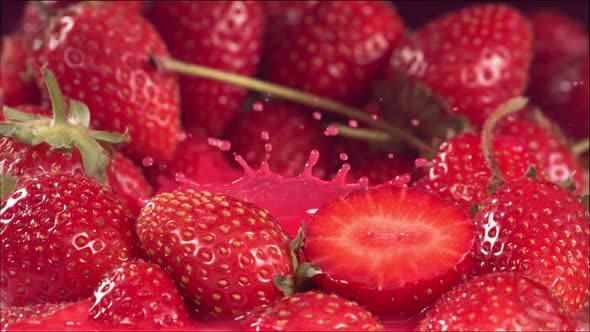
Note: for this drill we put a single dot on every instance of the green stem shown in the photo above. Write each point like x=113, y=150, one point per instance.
x=57, y=100
x=328, y=105
x=511, y=106
x=581, y=146
x=362, y=134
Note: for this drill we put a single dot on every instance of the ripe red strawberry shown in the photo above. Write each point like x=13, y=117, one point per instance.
x=46, y=316
x=126, y=181
x=337, y=50
x=138, y=295
x=291, y=132
x=225, y=35
x=196, y=160
x=393, y=250
x=312, y=311
x=221, y=252
x=565, y=97
x=540, y=230
x=60, y=233
x=17, y=83
x=101, y=57
x=551, y=154
x=475, y=59
x=283, y=12
x=460, y=173
x=497, y=302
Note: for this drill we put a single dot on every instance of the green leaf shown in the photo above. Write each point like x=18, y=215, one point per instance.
x=585, y=200
x=16, y=115
x=79, y=114
x=284, y=284
x=57, y=99
x=94, y=157
x=7, y=185
x=105, y=136
x=7, y=129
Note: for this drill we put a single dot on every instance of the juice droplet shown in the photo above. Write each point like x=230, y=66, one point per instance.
x=181, y=136
x=415, y=122
x=353, y=123
x=147, y=161
x=344, y=156
x=258, y=107
x=180, y=178
x=331, y=130
x=400, y=180
x=317, y=115
x=374, y=116
x=390, y=155
x=220, y=144
x=421, y=162
x=268, y=148
x=264, y=135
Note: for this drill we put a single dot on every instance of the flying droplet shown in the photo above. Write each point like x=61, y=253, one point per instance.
x=415, y=122
x=420, y=162
x=264, y=135
x=147, y=161
x=258, y=107
x=353, y=123
x=344, y=156
x=317, y=115
x=331, y=130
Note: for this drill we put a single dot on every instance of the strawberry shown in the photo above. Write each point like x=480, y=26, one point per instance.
x=497, y=302
x=126, y=181
x=291, y=132
x=540, y=230
x=60, y=233
x=459, y=171
x=225, y=35
x=222, y=252
x=337, y=50
x=278, y=13
x=16, y=82
x=474, y=59
x=312, y=311
x=197, y=160
x=140, y=295
x=565, y=97
x=391, y=249
x=46, y=316
x=101, y=57
x=551, y=154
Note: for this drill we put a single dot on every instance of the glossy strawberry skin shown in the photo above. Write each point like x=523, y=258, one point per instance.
x=221, y=252
x=291, y=131
x=225, y=35
x=60, y=233
x=540, y=230
x=103, y=61
x=23, y=161
x=337, y=50
x=475, y=59
x=494, y=302
x=366, y=245
x=552, y=155
x=17, y=83
x=138, y=295
x=312, y=311
x=459, y=171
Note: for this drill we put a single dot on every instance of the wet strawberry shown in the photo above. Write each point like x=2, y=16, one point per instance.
x=460, y=173
x=337, y=50
x=540, y=230
x=225, y=35
x=475, y=58
x=393, y=250
x=60, y=233
x=497, y=302
x=290, y=130
x=312, y=311
x=222, y=252
x=16, y=81
x=138, y=295
x=103, y=61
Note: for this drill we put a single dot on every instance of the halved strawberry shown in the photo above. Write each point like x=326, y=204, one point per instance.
x=392, y=250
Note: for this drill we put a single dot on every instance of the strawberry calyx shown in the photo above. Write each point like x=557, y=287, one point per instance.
x=7, y=185
x=67, y=129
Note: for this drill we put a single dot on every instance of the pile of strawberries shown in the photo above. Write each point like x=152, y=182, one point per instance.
x=116, y=116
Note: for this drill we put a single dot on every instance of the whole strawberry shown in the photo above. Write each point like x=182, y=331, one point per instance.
x=337, y=50
x=540, y=230
x=393, y=250
x=225, y=35
x=284, y=132
x=474, y=59
x=459, y=171
x=497, y=302
x=312, y=311
x=101, y=57
x=222, y=253
x=60, y=233
x=16, y=81
x=138, y=295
